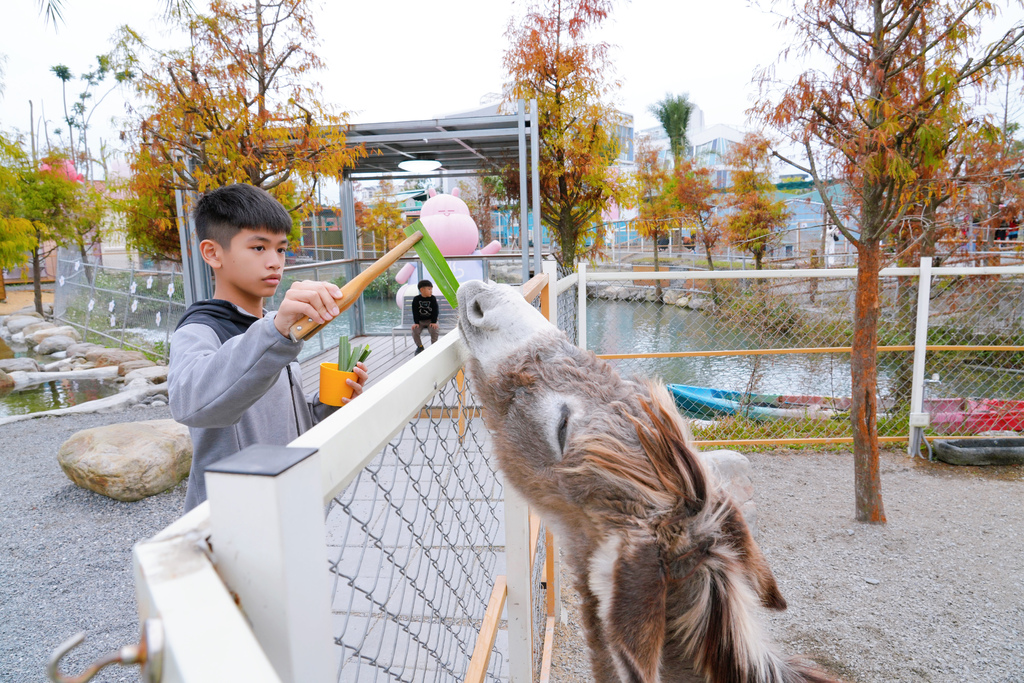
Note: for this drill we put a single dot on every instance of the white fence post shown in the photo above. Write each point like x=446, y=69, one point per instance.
x=269, y=544
x=918, y=418
x=519, y=603
x=551, y=269
x=581, y=308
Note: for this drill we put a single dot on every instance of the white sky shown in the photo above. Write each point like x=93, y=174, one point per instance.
x=405, y=59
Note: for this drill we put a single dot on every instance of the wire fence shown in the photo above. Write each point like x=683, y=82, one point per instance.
x=416, y=543
x=979, y=388
x=755, y=358
x=130, y=307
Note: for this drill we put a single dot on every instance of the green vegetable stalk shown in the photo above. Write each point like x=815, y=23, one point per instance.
x=348, y=356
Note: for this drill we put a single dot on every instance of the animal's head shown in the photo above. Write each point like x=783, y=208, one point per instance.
x=447, y=219
x=569, y=430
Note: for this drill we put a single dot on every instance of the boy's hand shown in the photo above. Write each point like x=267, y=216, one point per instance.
x=307, y=299
x=433, y=326
x=357, y=386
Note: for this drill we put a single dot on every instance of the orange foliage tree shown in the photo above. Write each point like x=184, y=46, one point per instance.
x=235, y=105
x=755, y=220
x=878, y=113
x=647, y=192
x=383, y=218
x=694, y=197
x=549, y=58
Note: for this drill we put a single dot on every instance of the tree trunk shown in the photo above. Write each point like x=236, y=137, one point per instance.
x=36, y=275
x=3, y=290
x=864, y=372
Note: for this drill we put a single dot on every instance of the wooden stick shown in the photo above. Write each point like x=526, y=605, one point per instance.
x=488, y=632
x=549, y=646
x=354, y=287
x=533, y=288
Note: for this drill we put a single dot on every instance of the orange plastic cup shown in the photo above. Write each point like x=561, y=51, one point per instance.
x=333, y=386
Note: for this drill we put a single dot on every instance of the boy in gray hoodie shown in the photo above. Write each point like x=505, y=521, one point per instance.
x=234, y=379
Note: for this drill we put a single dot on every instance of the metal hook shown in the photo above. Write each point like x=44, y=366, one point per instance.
x=148, y=652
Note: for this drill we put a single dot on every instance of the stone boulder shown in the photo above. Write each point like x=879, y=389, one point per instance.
x=40, y=335
x=683, y=302
x=671, y=296
x=36, y=326
x=128, y=461
x=6, y=381
x=732, y=470
x=80, y=349
x=699, y=304
x=19, y=365
x=31, y=310
x=53, y=344
x=102, y=357
x=124, y=368
x=154, y=374
x=18, y=322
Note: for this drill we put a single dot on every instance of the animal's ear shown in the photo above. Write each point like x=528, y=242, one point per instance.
x=735, y=529
x=636, y=619
x=431, y=191
x=455, y=192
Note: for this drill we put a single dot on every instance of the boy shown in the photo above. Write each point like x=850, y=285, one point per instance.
x=233, y=377
x=424, y=314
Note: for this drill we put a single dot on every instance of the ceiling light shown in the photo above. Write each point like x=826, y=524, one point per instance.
x=419, y=165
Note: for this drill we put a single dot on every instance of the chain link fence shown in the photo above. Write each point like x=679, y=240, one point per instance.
x=417, y=541
x=981, y=387
x=756, y=358
x=131, y=307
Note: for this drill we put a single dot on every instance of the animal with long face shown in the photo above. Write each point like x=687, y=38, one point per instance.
x=668, y=573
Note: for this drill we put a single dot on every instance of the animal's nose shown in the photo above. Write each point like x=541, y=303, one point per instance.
x=475, y=300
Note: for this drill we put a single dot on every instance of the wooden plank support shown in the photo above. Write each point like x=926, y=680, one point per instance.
x=549, y=647
x=488, y=632
x=533, y=288
x=534, y=535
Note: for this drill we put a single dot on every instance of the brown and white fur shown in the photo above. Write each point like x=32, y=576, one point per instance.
x=669, y=575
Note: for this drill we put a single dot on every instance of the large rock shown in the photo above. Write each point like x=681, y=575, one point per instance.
x=30, y=310
x=128, y=461
x=53, y=344
x=671, y=296
x=40, y=335
x=79, y=350
x=102, y=357
x=36, y=326
x=124, y=368
x=155, y=374
x=732, y=470
x=17, y=323
x=6, y=381
x=19, y=365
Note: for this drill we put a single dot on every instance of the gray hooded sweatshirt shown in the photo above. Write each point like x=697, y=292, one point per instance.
x=231, y=395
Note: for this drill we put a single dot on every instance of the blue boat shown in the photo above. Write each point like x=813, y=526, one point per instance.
x=705, y=403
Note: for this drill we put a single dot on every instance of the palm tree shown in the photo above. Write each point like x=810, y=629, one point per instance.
x=674, y=114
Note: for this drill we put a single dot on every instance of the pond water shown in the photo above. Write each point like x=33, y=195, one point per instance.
x=640, y=327
x=51, y=395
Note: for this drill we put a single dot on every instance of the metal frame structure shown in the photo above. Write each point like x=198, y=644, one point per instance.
x=465, y=147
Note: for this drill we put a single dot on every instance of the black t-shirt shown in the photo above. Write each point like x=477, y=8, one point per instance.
x=424, y=308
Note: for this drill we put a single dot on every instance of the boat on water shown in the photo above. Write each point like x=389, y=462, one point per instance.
x=706, y=403
x=948, y=415
x=974, y=415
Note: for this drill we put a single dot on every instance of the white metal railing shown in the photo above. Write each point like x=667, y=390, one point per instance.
x=240, y=583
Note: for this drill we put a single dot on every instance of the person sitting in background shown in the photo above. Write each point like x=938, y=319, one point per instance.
x=424, y=314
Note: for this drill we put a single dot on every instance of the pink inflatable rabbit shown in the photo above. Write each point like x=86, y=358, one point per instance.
x=447, y=219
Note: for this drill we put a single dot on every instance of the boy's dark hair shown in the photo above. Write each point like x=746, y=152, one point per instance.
x=424, y=283
x=221, y=213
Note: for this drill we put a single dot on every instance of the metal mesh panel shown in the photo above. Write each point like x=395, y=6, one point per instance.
x=132, y=307
x=811, y=390
x=970, y=392
x=568, y=310
x=416, y=542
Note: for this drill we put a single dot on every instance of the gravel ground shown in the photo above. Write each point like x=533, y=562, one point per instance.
x=936, y=594
x=66, y=553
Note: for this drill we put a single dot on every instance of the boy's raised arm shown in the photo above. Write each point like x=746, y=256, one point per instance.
x=212, y=385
